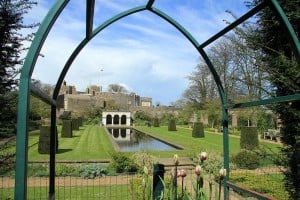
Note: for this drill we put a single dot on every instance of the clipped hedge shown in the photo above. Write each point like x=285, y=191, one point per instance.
x=67, y=131
x=75, y=124
x=155, y=122
x=44, y=140
x=249, y=138
x=172, y=125
x=198, y=130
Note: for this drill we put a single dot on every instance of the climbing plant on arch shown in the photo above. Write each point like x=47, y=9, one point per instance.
x=31, y=58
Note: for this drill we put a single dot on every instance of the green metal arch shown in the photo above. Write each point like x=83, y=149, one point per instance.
x=53, y=14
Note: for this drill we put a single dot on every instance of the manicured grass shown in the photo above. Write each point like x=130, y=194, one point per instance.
x=210, y=143
x=113, y=192
x=92, y=143
x=89, y=143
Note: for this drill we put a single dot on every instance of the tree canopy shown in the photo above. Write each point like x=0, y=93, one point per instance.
x=11, y=47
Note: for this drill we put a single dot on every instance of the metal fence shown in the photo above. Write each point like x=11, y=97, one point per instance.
x=131, y=186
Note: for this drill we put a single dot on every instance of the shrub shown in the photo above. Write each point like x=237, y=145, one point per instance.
x=66, y=170
x=268, y=184
x=143, y=159
x=246, y=159
x=39, y=170
x=198, y=130
x=156, y=122
x=249, y=138
x=92, y=171
x=121, y=163
x=172, y=125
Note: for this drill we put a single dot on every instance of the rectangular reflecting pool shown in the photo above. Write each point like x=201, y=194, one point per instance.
x=130, y=140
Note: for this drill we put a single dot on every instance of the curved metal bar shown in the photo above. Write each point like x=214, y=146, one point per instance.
x=195, y=43
x=286, y=23
x=234, y=24
x=86, y=40
x=23, y=101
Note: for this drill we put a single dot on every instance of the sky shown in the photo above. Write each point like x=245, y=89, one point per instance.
x=141, y=52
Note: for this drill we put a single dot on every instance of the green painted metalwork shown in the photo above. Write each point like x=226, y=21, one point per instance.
x=294, y=41
x=90, y=5
x=86, y=40
x=231, y=26
x=41, y=95
x=23, y=101
x=287, y=98
x=21, y=170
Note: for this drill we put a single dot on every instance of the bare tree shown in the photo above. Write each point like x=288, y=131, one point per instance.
x=117, y=88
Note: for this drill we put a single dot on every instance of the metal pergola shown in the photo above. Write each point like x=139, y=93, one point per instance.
x=41, y=35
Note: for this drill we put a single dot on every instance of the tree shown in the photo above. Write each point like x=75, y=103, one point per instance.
x=117, y=88
x=11, y=22
x=285, y=77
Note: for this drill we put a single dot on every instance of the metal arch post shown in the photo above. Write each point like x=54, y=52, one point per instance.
x=23, y=101
x=90, y=7
x=225, y=118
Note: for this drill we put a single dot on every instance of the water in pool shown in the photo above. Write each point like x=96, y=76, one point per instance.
x=131, y=140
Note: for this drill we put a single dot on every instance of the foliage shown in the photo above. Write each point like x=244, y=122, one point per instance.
x=246, y=159
x=7, y=157
x=142, y=117
x=165, y=119
x=285, y=78
x=11, y=48
x=92, y=171
x=172, y=125
x=198, y=130
x=38, y=170
x=258, y=183
x=144, y=159
x=122, y=163
x=249, y=138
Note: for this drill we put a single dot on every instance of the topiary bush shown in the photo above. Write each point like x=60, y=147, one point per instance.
x=246, y=159
x=155, y=122
x=172, y=125
x=249, y=138
x=198, y=130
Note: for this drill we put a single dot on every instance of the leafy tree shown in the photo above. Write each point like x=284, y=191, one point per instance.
x=11, y=39
x=285, y=77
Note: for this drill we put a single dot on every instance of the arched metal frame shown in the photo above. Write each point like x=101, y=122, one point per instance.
x=41, y=35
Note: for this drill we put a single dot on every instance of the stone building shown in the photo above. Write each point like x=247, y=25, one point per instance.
x=81, y=102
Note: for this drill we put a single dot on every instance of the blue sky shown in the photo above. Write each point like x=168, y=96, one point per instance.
x=141, y=52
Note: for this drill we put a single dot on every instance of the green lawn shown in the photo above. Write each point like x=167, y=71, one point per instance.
x=89, y=143
x=113, y=192
x=92, y=143
x=210, y=143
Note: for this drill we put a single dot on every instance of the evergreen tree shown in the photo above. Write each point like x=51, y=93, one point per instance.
x=285, y=78
x=11, y=47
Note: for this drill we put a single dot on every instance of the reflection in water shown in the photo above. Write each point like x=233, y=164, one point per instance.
x=132, y=140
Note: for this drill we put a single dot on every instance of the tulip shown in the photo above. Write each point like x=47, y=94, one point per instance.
x=176, y=159
x=198, y=170
x=178, y=174
x=222, y=173
x=203, y=156
x=182, y=173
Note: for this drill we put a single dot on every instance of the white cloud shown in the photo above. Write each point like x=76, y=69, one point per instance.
x=142, y=52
